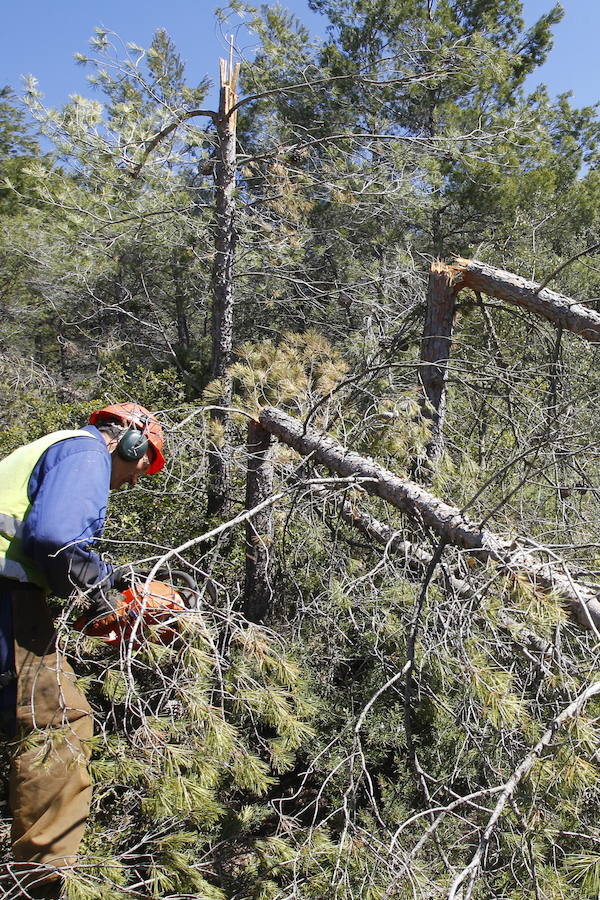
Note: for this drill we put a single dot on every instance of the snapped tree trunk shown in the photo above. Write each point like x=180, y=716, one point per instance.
x=219, y=458
x=435, y=352
x=513, y=289
x=259, y=529
x=427, y=510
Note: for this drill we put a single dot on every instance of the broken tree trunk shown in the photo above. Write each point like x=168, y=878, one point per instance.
x=435, y=352
x=259, y=529
x=222, y=313
x=448, y=522
x=513, y=289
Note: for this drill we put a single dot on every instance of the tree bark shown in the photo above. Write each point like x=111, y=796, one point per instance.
x=435, y=352
x=183, y=331
x=219, y=458
x=259, y=529
x=448, y=522
x=511, y=288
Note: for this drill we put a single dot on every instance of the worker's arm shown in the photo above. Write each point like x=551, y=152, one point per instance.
x=68, y=490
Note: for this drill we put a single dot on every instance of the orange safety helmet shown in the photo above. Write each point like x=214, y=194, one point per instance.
x=133, y=414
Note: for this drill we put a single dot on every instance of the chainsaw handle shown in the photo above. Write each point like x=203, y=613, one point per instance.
x=185, y=584
x=190, y=594
x=187, y=588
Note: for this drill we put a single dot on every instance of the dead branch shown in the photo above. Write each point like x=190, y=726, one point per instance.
x=153, y=142
x=591, y=249
x=534, y=648
x=512, y=288
x=447, y=522
x=570, y=712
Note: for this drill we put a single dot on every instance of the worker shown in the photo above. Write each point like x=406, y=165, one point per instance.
x=53, y=498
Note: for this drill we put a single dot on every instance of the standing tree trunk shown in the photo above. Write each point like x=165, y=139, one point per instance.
x=435, y=352
x=259, y=529
x=183, y=332
x=219, y=458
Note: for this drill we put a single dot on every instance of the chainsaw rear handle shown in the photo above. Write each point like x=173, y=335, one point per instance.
x=186, y=586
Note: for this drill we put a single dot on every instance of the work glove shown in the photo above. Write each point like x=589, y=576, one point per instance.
x=124, y=576
x=104, y=604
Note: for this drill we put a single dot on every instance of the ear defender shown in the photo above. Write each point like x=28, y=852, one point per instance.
x=133, y=445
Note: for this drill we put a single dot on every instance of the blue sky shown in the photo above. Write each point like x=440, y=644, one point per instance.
x=41, y=36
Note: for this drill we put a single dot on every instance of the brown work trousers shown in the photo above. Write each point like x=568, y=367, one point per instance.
x=49, y=784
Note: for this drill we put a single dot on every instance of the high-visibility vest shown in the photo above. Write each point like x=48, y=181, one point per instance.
x=15, y=472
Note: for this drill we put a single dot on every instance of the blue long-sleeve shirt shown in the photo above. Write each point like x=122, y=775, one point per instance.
x=68, y=490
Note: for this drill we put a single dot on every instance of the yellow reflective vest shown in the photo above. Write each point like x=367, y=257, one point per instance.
x=15, y=472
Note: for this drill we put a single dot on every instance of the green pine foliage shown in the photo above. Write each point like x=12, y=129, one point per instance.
x=355, y=746
x=204, y=726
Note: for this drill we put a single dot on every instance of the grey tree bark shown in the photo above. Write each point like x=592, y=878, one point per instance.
x=219, y=457
x=447, y=521
x=183, y=332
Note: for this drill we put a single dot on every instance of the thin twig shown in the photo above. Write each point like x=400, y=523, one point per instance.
x=564, y=265
x=570, y=712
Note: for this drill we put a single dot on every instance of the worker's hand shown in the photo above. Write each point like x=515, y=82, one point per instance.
x=124, y=576
x=105, y=604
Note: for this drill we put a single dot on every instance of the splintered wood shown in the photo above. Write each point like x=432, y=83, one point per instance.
x=229, y=74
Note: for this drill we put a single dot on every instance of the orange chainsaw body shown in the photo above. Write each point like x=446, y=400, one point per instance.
x=142, y=605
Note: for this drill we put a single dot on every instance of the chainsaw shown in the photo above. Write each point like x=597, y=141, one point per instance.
x=155, y=606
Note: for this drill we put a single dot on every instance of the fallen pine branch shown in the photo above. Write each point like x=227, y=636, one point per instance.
x=447, y=521
x=555, y=308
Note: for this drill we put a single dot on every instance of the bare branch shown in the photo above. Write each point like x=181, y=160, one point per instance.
x=570, y=712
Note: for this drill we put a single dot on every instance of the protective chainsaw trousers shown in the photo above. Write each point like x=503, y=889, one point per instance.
x=49, y=785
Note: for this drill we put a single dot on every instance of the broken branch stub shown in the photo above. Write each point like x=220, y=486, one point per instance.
x=447, y=521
